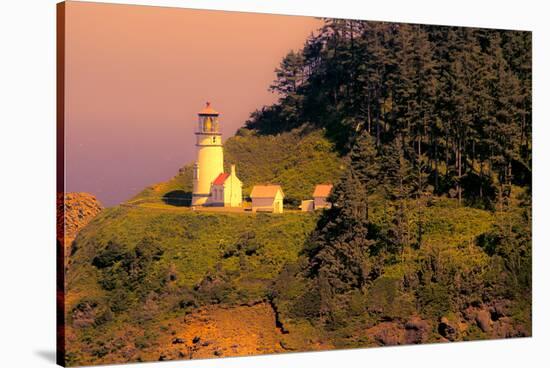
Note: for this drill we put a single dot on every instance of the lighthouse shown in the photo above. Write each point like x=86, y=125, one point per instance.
x=209, y=162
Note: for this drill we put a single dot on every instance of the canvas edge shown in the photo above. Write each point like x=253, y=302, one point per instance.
x=60, y=183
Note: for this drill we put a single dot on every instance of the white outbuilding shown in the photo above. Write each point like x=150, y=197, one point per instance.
x=320, y=195
x=226, y=190
x=268, y=198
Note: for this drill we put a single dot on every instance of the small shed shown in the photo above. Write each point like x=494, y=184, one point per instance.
x=268, y=198
x=320, y=195
x=307, y=205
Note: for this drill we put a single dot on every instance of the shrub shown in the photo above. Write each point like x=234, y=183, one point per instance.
x=120, y=300
x=434, y=300
x=107, y=257
x=188, y=299
x=357, y=303
x=382, y=294
x=385, y=298
x=245, y=245
x=307, y=305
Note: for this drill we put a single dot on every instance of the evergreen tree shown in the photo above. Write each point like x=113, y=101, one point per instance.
x=397, y=187
x=459, y=99
x=339, y=248
x=290, y=79
x=365, y=165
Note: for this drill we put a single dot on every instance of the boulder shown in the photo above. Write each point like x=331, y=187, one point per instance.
x=503, y=328
x=469, y=313
x=387, y=333
x=416, y=323
x=483, y=320
x=521, y=331
x=499, y=309
x=416, y=331
x=447, y=330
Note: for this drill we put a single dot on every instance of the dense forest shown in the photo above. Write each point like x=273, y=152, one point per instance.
x=456, y=101
x=419, y=113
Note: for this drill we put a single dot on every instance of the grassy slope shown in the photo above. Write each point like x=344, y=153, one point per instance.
x=449, y=232
x=195, y=243
x=296, y=160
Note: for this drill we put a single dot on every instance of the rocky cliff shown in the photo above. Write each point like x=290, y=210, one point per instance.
x=78, y=210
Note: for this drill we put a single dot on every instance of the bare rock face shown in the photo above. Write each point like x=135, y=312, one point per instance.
x=387, y=333
x=504, y=328
x=78, y=210
x=416, y=331
x=469, y=314
x=493, y=318
x=483, y=320
x=500, y=308
x=447, y=329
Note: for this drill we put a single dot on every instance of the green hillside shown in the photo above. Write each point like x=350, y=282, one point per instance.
x=184, y=247
x=297, y=160
x=134, y=267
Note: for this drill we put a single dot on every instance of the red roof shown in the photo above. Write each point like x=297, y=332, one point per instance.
x=322, y=190
x=220, y=179
x=208, y=110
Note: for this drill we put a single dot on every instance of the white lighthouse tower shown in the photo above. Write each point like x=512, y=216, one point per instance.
x=209, y=162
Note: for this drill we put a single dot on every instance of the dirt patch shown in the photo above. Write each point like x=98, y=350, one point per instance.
x=217, y=331
x=209, y=332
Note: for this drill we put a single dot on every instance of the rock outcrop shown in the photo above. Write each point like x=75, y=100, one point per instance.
x=483, y=320
x=387, y=333
x=416, y=331
x=78, y=210
x=447, y=329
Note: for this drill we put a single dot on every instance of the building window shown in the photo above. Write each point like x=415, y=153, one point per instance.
x=196, y=172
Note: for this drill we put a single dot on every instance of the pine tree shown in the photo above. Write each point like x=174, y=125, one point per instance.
x=364, y=163
x=339, y=248
x=397, y=187
x=290, y=79
x=459, y=99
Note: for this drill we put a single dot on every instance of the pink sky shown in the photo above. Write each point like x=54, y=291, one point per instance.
x=137, y=75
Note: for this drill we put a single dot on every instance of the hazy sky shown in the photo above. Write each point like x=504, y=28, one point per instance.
x=137, y=75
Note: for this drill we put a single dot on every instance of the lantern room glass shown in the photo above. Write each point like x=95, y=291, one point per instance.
x=208, y=124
